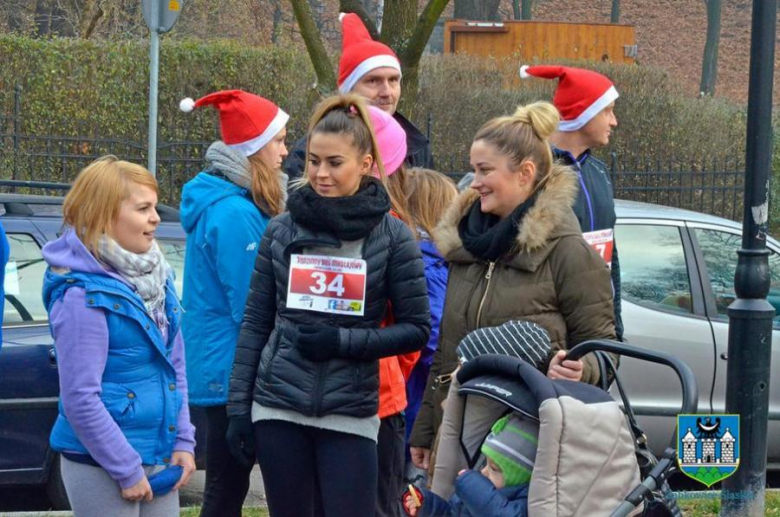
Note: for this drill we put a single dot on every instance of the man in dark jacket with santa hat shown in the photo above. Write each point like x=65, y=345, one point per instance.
x=370, y=69
x=586, y=101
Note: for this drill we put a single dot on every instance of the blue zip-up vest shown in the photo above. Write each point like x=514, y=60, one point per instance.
x=139, y=381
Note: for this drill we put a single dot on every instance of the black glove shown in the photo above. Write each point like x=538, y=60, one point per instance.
x=240, y=438
x=318, y=343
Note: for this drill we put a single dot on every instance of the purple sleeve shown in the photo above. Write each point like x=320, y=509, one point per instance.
x=185, y=435
x=81, y=340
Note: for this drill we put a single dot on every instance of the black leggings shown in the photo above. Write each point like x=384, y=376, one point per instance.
x=227, y=480
x=296, y=459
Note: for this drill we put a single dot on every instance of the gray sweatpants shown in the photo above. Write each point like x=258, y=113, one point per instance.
x=93, y=493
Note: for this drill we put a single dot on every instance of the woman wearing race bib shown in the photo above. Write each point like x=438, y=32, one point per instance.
x=224, y=211
x=516, y=252
x=304, y=388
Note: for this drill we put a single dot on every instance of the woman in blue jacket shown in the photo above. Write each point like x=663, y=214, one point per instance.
x=114, y=315
x=224, y=211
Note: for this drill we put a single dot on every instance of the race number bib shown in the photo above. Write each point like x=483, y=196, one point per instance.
x=602, y=241
x=334, y=285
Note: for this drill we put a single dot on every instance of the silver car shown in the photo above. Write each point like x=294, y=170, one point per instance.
x=677, y=276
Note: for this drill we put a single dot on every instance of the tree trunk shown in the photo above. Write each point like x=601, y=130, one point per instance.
x=326, y=77
x=91, y=15
x=709, y=68
x=356, y=6
x=614, y=16
x=528, y=6
x=398, y=23
x=412, y=52
x=478, y=10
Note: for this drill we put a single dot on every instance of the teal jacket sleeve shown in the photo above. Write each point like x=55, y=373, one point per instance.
x=234, y=239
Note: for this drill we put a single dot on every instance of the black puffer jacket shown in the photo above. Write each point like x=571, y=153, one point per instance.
x=269, y=369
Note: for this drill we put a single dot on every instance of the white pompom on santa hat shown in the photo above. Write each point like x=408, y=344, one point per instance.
x=581, y=94
x=359, y=53
x=247, y=121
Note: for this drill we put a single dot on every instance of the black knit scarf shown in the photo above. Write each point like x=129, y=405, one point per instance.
x=486, y=235
x=349, y=217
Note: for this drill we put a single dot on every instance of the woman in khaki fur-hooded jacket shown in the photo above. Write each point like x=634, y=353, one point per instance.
x=516, y=252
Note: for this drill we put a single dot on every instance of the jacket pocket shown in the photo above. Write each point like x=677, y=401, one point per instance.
x=275, y=344
x=119, y=401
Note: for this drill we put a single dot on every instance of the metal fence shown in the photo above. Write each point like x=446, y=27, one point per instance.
x=703, y=184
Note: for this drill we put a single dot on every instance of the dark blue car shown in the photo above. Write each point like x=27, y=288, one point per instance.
x=28, y=368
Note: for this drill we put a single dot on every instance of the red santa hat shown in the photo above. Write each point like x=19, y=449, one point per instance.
x=359, y=53
x=580, y=95
x=247, y=121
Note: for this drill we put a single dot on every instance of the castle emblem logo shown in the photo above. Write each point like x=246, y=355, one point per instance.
x=708, y=446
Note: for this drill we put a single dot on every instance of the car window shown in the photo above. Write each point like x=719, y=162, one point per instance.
x=719, y=250
x=24, y=281
x=653, y=272
x=174, y=251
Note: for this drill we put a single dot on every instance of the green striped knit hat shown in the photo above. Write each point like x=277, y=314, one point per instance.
x=512, y=444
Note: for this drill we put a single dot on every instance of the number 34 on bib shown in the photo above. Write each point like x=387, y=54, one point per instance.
x=320, y=283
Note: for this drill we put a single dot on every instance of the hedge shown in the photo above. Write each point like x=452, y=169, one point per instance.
x=100, y=89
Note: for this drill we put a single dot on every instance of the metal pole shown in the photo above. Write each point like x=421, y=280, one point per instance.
x=17, y=127
x=750, y=316
x=154, y=69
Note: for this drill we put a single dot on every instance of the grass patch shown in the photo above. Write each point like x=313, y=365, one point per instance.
x=247, y=511
x=700, y=507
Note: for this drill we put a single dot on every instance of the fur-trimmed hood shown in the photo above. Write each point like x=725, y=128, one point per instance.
x=550, y=218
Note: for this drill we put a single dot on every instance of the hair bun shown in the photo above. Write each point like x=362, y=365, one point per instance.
x=541, y=116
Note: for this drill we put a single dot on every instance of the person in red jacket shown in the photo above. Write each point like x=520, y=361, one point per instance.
x=395, y=370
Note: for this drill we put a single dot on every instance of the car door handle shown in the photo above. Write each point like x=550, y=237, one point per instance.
x=52, y=357
x=724, y=356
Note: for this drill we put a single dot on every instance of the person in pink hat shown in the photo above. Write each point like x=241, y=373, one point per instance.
x=586, y=102
x=372, y=70
x=224, y=211
x=394, y=371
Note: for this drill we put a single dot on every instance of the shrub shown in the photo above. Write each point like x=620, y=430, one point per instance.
x=95, y=94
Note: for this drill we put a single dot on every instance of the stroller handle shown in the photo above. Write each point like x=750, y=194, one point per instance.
x=690, y=390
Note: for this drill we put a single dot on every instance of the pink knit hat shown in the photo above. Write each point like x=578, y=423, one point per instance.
x=391, y=139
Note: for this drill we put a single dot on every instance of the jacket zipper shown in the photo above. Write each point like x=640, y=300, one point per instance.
x=488, y=276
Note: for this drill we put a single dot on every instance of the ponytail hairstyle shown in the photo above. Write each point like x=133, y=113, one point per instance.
x=430, y=194
x=346, y=115
x=266, y=188
x=524, y=136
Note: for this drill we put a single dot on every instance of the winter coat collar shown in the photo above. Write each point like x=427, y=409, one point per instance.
x=549, y=219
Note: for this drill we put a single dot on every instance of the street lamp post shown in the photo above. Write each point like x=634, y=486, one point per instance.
x=750, y=316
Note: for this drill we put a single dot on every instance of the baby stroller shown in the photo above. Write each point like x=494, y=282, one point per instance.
x=592, y=458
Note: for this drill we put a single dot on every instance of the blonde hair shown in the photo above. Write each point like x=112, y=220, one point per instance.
x=266, y=188
x=345, y=115
x=92, y=205
x=524, y=136
x=430, y=194
x=398, y=189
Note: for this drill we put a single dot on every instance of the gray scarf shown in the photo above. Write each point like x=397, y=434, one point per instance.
x=236, y=168
x=146, y=272
x=234, y=165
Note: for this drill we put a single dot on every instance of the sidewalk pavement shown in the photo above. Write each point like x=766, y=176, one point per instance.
x=191, y=495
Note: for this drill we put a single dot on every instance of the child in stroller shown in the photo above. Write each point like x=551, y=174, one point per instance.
x=586, y=461
x=500, y=488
